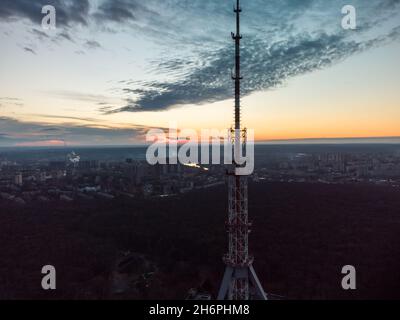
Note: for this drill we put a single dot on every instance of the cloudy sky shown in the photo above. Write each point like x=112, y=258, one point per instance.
x=112, y=69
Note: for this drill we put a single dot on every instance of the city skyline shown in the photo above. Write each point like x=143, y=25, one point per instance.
x=107, y=74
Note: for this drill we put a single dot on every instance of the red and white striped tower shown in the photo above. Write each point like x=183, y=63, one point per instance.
x=240, y=281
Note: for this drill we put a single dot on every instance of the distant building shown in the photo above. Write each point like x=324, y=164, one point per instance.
x=89, y=164
x=18, y=179
x=66, y=198
x=57, y=165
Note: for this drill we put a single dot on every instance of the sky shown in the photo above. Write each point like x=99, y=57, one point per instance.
x=114, y=69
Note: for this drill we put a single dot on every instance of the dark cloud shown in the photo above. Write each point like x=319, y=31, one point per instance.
x=282, y=39
x=15, y=132
x=50, y=130
x=65, y=35
x=68, y=12
x=121, y=11
x=264, y=66
x=79, y=96
x=117, y=10
x=391, y=4
x=66, y=118
x=30, y=50
x=11, y=101
x=92, y=44
x=40, y=34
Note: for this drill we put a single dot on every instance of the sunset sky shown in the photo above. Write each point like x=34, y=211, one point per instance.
x=113, y=69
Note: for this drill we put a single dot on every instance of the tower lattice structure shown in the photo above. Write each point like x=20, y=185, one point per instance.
x=240, y=281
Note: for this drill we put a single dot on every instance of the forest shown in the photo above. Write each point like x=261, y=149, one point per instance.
x=302, y=236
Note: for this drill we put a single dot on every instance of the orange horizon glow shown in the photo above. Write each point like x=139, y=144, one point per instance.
x=47, y=143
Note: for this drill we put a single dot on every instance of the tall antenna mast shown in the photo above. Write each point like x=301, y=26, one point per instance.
x=240, y=281
x=237, y=37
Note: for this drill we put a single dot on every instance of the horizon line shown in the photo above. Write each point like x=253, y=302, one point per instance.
x=299, y=141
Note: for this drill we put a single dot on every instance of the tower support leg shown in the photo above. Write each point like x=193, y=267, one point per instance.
x=260, y=293
x=233, y=276
x=226, y=283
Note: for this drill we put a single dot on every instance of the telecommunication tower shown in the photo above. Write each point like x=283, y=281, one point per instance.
x=240, y=281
